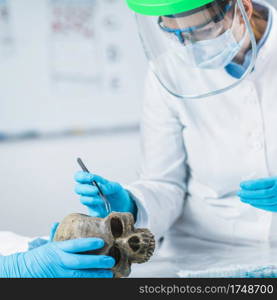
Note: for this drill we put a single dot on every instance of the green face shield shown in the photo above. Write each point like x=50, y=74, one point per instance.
x=196, y=48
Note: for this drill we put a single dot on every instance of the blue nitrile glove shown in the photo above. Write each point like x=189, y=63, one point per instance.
x=260, y=193
x=53, y=231
x=39, y=241
x=59, y=259
x=118, y=197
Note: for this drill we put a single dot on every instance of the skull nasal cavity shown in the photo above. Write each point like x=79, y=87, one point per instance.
x=134, y=243
x=116, y=227
x=115, y=253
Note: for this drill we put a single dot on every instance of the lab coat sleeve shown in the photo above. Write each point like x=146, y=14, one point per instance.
x=161, y=188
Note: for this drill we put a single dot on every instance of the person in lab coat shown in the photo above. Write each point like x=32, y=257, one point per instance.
x=209, y=146
x=208, y=137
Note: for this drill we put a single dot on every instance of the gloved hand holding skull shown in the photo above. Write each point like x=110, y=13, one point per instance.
x=123, y=242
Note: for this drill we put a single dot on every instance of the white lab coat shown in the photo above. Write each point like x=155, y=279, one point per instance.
x=195, y=153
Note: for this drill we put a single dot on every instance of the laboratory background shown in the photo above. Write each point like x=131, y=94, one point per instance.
x=72, y=75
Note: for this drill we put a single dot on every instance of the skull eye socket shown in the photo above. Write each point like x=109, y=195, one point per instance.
x=115, y=253
x=134, y=243
x=116, y=227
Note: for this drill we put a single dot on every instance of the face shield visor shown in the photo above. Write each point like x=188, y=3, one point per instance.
x=202, y=51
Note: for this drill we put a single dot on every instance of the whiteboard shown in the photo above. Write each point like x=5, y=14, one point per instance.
x=69, y=64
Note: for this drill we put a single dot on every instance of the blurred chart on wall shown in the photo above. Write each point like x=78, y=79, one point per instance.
x=77, y=64
x=6, y=39
x=73, y=45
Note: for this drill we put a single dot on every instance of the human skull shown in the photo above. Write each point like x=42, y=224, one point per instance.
x=122, y=241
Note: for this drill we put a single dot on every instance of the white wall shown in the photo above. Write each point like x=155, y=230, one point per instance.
x=36, y=176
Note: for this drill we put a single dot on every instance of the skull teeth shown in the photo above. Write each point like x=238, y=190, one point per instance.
x=147, y=245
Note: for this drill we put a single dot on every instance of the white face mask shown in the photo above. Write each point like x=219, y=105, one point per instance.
x=216, y=53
